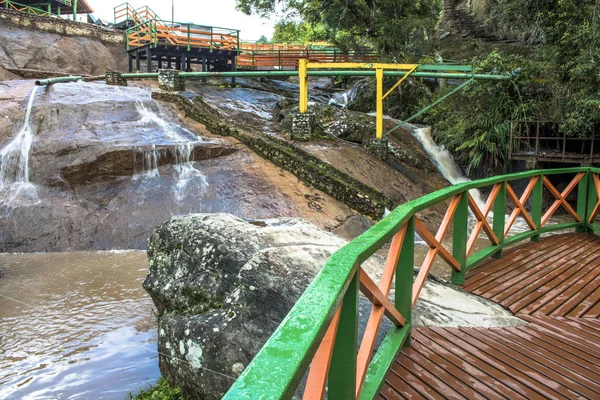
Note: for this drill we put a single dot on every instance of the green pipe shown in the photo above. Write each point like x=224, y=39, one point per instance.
x=50, y=81
x=94, y=78
x=441, y=75
x=240, y=74
x=75, y=10
x=145, y=75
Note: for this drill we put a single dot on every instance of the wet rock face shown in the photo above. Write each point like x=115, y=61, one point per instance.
x=21, y=48
x=222, y=285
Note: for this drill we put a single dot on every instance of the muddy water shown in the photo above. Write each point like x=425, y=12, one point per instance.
x=75, y=326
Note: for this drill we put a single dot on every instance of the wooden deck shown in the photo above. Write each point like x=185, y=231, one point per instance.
x=554, y=285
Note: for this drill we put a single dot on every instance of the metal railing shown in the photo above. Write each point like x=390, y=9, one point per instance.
x=321, y=329
x=12, y=5
x=542, y=141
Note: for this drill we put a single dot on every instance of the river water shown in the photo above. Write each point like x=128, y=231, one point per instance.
x=75, y=326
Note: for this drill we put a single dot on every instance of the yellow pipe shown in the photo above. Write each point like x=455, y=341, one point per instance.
x=400, y=81
x=379, y=109
x=302, y=68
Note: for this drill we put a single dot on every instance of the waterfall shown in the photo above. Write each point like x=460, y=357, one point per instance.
x=183, y=142
x=14, y=162
x=445, y=162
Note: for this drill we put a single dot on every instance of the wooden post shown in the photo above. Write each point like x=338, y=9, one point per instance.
x=537, y=201
x=460, y=237
x=582, y=200
x=342, y=370
x=499, y=217
x=405, y=275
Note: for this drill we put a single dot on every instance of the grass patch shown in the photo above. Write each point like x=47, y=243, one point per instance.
x=161, y=391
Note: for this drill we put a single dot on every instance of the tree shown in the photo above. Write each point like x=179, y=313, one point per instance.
x=393, y=26
x=263, y=40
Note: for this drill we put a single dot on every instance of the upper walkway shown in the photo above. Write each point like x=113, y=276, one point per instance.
x=554, y=285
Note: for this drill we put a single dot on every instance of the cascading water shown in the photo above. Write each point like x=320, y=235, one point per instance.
x=445, y=162
x=14, y=163
x=181, y=147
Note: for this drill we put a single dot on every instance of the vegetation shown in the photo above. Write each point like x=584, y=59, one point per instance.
x=161, y=391
x=555, y=62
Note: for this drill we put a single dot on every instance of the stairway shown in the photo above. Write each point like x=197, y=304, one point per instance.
x=463, y=22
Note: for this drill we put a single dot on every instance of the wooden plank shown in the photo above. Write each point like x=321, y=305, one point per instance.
x=512, y=269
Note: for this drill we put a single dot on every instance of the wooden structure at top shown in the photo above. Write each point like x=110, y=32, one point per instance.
x=540, y=141
x=179, y=45
x=48, y=7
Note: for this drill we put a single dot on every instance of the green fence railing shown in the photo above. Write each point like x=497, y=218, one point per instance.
x=329, y=306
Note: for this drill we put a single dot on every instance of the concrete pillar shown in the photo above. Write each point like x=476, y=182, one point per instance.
x=178, y=63
x=115, y=79
x=148, y=60
x=168, y=79
x=130, y=62
x=379, y=148
x=160, y=63
x=138, y=64
x=169, y=63
x=233, y=69
x=204, y=68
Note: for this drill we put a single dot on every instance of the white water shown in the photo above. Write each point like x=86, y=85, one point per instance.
x=14, y=164
x=445, y=162
x=184, y=142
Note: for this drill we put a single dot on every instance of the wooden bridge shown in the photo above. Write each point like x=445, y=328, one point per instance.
x=548, y=276
x=173, y=44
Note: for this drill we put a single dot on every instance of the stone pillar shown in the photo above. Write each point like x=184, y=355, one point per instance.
x=168, y=79
x=303, y=126
x=115, y=79
x=379, y=148
x=532, y=164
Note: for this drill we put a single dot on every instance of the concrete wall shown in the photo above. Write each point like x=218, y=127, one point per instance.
x=61, y=27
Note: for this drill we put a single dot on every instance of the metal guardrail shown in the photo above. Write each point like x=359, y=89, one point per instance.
x=321, y=328
x=12, y=5
x=542, y=141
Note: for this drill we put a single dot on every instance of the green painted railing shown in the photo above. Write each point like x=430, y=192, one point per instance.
x=12, y=5
x=278, y=368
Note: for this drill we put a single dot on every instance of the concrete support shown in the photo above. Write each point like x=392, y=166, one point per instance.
x=204, y=68
x=160, y=66
x=138, y=64
x=233, y=68
x=168, y=79
x=115, y=79
x=130, y=62
x=303, y=126
x=379, y=148
x=169, y=63
x=148, y=60
x=178, y=63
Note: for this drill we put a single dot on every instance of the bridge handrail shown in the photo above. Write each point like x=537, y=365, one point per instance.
x=328, y=307
x=9, y=4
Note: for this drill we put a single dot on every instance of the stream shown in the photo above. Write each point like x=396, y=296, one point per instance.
x=76, y=326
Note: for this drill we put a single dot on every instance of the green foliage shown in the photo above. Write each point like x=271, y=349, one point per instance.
x=263, y=40
x=393, y=26
x=303, y=32
x=161, y=391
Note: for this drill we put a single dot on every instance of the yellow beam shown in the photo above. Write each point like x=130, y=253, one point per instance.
x=313, y=65
x=379, y=109
x=400, y=81
x=302, y=67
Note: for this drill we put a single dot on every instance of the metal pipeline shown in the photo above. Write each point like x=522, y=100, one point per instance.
x=94, y=78
x=145, y=75
x=50, y=81
x=242, y=74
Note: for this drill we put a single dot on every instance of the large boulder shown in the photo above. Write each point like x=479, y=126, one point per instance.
x=222, y=285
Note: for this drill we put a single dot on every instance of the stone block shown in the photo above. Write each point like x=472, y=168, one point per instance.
x=169, y=80
x=379, y=148
x=303, y=127
x=115, y=79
